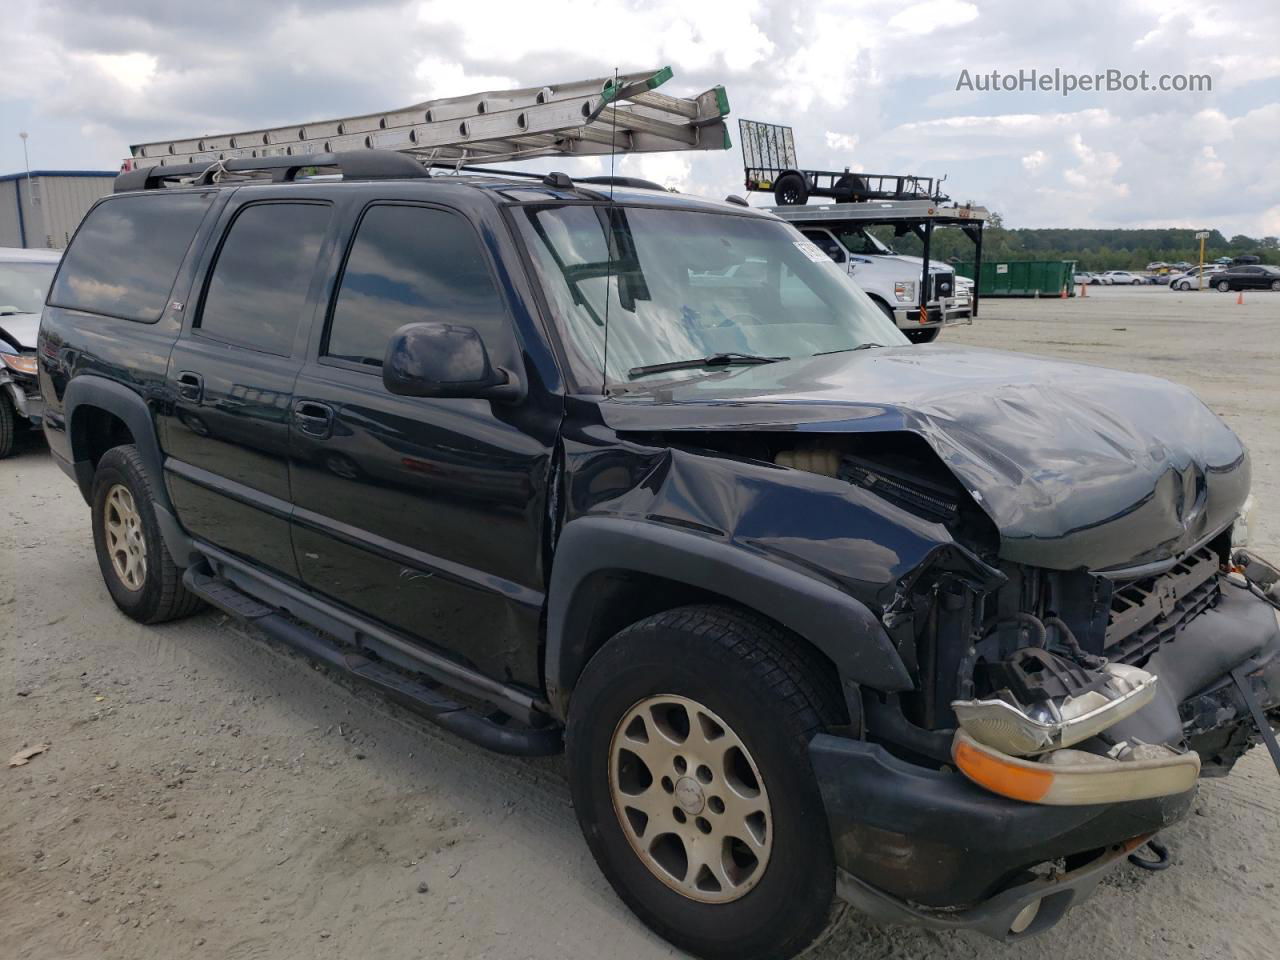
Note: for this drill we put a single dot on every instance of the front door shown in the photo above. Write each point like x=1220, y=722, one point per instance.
x=425, y=514
x=232, y=372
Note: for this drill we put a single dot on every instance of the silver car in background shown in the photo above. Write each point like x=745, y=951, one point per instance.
x=25, y=276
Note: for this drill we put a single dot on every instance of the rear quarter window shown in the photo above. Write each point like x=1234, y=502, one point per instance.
x=126, y=254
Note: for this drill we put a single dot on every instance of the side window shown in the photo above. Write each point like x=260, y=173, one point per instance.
x=407, y=265
x=258, y=286
x=826, y=243
x=126, y=254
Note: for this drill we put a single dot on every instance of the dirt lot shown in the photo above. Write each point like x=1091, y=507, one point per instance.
x=208, y=794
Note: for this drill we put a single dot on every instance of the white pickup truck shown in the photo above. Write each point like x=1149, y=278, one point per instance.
x=892, y=280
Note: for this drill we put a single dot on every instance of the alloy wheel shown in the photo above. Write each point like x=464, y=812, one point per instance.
x=126, y=544
x=690, y=799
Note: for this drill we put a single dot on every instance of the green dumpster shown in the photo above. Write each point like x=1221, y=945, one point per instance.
x=1023, y=278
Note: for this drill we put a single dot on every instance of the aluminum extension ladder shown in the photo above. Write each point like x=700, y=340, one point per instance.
x=625, y=114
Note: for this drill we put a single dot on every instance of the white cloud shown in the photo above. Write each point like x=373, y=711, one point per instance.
x=932, y=15
x=1034, y=161
x=843, y=142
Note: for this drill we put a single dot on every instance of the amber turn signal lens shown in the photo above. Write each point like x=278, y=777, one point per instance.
x=1013, y=780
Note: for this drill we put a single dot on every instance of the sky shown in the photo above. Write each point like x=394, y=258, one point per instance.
x=870, y=85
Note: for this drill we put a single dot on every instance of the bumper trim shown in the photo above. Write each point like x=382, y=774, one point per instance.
x=996, y=916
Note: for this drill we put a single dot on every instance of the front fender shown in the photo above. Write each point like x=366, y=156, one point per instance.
x=834, y=622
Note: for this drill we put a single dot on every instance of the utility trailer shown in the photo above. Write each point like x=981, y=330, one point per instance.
x=922, y=297
x=769, y=163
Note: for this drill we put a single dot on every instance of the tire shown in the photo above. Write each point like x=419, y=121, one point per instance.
x=150, y=592
x=886, y=310
x=8, y=421
x=1223, y=286
x=1184, y=286
x=762, y=688
x=850, y=189
x=1135, y=283
x=1275, y=284
x=791, y=190
x=927, y=335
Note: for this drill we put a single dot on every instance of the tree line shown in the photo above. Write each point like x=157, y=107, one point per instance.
x=1093, y=249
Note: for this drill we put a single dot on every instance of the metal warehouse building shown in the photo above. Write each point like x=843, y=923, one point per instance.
x=44, y=208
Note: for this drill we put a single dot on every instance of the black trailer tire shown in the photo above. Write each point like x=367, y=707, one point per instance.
x=924, y=335
x=762, y=689
x=8, y=419
x=791, y=190
x=851, y=188
x=140, y=575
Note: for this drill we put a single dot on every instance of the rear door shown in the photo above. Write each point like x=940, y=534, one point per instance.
x=231, y=373
x=425, y=514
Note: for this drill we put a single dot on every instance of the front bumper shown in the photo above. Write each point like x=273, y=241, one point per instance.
x=917, y=845
x=943, y=312
x=26, y=401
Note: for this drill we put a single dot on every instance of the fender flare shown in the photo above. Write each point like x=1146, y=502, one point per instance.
x=837, y=624
x=87, y=390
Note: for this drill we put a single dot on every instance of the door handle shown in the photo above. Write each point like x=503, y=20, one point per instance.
x=313, y=418
x=190, y=386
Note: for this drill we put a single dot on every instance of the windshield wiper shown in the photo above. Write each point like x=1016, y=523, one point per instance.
x=714, y=360
x=861, y=346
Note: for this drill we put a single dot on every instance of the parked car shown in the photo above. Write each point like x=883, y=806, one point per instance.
x=1123, y=277
x=1157, y=265
x=1083, y=276
x=1251, y=277
x=811, y=610
x=1190, y=280
x=25, y=276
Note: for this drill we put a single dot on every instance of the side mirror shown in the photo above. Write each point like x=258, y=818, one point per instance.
x=444, y=360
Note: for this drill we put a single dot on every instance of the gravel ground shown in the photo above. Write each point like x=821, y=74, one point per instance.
x=207, y=793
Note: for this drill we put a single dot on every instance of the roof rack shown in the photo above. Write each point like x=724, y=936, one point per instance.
x=364, y=165
x=622, y=114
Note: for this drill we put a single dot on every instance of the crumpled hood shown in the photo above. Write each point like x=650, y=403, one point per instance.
x=1077, y=466
x=20, y=329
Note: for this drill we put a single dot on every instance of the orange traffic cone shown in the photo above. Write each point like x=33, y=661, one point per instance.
x=1063, y=295
x=1240, y=298
x=1084, y=289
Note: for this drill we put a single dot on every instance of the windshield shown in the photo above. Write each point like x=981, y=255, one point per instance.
x=859, y=240
x=683, y=285
x=23, y=286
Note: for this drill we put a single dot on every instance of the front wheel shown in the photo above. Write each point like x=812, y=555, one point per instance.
x=1275, y=284
x=923, y=335
x=8, y=420
x=687, y=744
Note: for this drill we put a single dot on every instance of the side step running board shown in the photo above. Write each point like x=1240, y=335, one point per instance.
x=400, y=686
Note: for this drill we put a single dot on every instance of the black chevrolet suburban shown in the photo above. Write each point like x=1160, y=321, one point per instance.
x=813, y=612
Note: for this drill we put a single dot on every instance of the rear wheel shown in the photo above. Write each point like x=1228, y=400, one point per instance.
x=1223, y=286
x=140, y=575
x=687, y=744
x=7, y=422
x=791, y=190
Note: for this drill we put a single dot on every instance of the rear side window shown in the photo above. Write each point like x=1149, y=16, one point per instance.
x=126, y=255
x=410, y=264
x=258, y=288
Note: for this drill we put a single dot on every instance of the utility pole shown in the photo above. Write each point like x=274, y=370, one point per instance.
x=1202, y=236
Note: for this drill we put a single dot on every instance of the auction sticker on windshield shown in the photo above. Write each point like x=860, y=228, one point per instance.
x=811, y=250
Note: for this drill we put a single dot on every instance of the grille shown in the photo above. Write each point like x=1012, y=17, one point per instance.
x=1148, y=613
